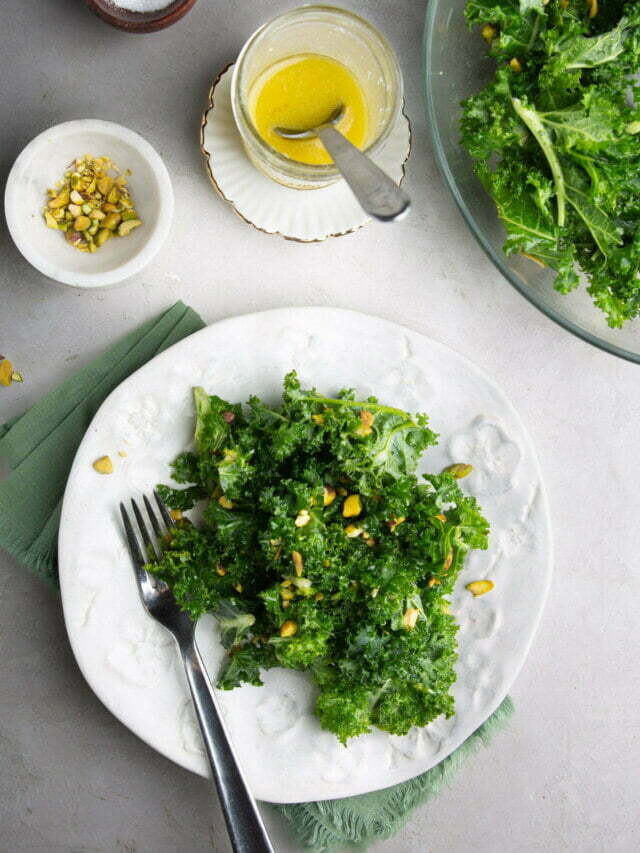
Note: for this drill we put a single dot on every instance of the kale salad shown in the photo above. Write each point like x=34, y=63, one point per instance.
x=321, y=550
x=556, y=139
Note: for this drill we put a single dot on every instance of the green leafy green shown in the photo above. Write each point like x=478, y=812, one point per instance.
x=233, y=622
x=535, y=124
x=358, y=602
x=556, y=140
x=584, y=52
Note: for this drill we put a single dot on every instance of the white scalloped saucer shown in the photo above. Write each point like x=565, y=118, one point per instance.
x=130, y=661
x=306, y=216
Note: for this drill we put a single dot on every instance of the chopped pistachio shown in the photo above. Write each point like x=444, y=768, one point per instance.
x=480, y=587
x=298, y=563
x=366, y=423
x=89, y=195
x=103, y=465
x=489, y=32
x=104, y=185
x=111, y=221
x=352, y=506
x=127, y=227
x=102, y=236
x=459, y=470
x=7, y=374
x=329, y=495
x=410, y=618
x=303, y=518
x=61, y=200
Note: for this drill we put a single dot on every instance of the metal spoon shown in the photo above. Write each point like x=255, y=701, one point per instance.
x=377, y=193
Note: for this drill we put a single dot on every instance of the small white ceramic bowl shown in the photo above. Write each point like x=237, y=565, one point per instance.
x=43, y=163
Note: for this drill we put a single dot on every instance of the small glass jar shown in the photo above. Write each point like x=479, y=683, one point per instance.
x=337, y=34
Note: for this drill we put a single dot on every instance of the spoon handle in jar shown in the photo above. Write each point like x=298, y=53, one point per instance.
x=377, y=193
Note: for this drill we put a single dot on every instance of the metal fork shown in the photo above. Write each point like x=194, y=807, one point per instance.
x=244, y=823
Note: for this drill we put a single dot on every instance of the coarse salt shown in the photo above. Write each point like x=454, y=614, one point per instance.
x=140, y=5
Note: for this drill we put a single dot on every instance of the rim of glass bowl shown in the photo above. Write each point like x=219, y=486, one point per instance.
x=308, y=171
x=498, y=259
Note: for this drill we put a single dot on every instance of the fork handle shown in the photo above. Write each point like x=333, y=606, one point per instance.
x=244, y=823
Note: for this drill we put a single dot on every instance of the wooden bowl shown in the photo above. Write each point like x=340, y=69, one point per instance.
x=140, y=22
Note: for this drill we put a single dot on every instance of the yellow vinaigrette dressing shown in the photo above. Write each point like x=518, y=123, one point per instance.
x=301, y=92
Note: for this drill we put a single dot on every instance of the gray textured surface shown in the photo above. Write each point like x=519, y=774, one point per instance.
x=565, y=774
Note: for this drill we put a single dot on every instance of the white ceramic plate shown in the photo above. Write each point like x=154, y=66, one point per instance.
x=130, y=662
x=43, y=163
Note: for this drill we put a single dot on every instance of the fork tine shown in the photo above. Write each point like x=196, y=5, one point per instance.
x=132, y=541
x=157, y=529
x=142, y=527
x=164, y=512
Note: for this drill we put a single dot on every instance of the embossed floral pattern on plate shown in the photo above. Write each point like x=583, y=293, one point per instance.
x=495, y=456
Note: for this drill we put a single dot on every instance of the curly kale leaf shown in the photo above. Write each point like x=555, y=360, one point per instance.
x=579, y=52
x=233, y=621
x=182, y=499
x=214, y=418
x=556, y=140
x=530, y=228
x=517, y=22
x=371, y=440
x=188, y=564
x=392, y=682
x=243, y=666
x=295, y=580
x=345, y=709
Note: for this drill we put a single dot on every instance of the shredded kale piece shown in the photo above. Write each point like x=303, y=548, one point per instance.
x=359, y=602
x=556, y=140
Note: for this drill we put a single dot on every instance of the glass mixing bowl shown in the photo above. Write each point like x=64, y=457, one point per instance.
x=457, y=66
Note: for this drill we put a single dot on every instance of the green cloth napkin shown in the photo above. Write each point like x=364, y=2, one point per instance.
x=356, y=822
x=40, y=446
